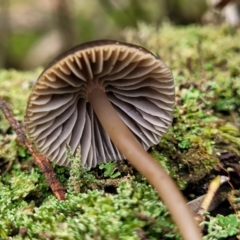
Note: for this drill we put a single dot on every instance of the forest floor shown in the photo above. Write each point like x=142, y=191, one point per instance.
x=113, y=201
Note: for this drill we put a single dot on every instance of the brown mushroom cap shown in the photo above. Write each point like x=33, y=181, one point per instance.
x=138, y=84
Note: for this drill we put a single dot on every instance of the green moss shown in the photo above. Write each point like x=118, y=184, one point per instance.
x=222, y=227
x=205, y=64
x=89, y=214
x=15, y=88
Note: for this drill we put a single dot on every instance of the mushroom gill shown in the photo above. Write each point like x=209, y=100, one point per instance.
x=138, y=85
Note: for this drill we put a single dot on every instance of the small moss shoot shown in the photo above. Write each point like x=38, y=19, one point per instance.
x=80, y=178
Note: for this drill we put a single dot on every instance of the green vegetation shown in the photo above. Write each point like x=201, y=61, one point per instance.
x=110, y=170
x=222, y=227
x=205, y=62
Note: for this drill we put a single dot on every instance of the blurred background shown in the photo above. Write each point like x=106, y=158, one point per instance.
x=32, y=33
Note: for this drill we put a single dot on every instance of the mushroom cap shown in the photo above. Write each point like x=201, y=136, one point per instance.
x=138, y=84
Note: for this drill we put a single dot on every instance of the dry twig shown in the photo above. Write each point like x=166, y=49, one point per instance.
x=42, y=161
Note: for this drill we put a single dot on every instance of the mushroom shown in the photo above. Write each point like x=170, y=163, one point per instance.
x=115, y=100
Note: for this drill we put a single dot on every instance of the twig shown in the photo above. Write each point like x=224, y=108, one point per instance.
x=141, y=234
x=211, y=193
x=200, y=55
x=42, y=161
x=7, y=168
x=145, y=218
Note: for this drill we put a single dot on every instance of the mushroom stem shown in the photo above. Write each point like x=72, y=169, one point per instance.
x=144, y=163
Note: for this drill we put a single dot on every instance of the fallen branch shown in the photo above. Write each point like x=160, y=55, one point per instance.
x=42, y=161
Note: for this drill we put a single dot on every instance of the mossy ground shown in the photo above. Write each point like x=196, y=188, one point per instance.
x=115, y=202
